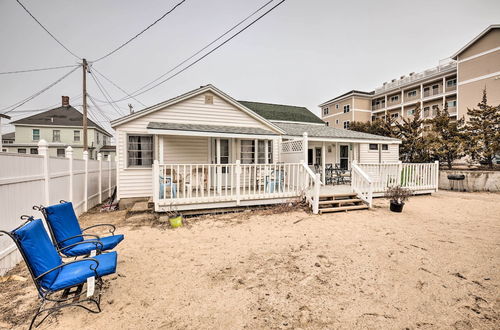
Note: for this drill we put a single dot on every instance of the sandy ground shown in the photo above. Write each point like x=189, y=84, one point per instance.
x=435, y=266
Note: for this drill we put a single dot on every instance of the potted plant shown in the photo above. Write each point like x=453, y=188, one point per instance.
x=397, y=196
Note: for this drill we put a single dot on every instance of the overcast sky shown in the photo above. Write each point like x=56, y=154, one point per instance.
x=303, y=53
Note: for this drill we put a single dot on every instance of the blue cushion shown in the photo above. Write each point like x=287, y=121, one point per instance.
x=40, y=254
x=108, y=242
x=62, y=219
x=77, y=273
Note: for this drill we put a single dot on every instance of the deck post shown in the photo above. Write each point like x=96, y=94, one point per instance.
x=305, y=147
x=238, y=183
x=317, y=184
x=323, y=161
x=437, y=174
x=156, y=182
x=109, y=177
x=400, y=173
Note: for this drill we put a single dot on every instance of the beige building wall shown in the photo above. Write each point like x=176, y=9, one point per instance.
x=337, y=117
x=479, y=73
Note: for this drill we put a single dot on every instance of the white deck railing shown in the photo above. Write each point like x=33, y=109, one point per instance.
x=415, y=176
x=362, y=184
x=312, y=184
x=176, y=184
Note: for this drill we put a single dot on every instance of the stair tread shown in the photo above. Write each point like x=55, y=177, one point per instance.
x=344, y=208
x=340, y=201
x=337, y=195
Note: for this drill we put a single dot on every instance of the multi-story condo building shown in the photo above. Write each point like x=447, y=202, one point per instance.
x=60, y=127
x=457, y=82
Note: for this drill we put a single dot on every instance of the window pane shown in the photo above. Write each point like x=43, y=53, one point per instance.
x=373, y=146
x=140, y=150
x=247, y=151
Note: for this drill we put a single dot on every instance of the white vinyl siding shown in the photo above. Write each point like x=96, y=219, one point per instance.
x=372, y=156
x=185, y=149
x=137, y=182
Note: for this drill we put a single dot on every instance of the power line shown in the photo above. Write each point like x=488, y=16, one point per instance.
x=43, y=27
x=124, y=91
x=98, y=108
x=40, y=69
x=104, y=93
x=138, y=34
x=29, y=98
x=139, y=92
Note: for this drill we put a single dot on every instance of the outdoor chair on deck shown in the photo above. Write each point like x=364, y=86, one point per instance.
x=342, y=176
x=275, y=181
x=329, y=171
x=51, y=275
x=69, y=239
x=196, y=180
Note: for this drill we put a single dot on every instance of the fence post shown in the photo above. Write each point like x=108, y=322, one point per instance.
x=317, y=184
x=109, y=177
x=43, y=149
x=437, y=174
x=238, y=183
x=303, y=176
x=99, y=159
x=69, y=156
x=86, y=181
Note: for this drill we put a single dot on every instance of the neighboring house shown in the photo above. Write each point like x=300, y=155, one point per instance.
x=457, y=82
x=197, y=141
x=60, y=127
x=7, y=139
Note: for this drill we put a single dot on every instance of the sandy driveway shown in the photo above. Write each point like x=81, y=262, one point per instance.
x=435, y=266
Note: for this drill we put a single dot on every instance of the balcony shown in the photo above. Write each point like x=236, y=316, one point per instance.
x=451, y=88
x=445, y=67
x=378, y=106
x=433, y=91
x=452, y=111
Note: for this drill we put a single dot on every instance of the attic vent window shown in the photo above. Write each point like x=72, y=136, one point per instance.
x=209, y=99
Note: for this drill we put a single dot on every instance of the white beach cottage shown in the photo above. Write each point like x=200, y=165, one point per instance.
x=203, y=149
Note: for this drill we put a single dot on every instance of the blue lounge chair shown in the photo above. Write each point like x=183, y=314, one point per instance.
x=167, y=182
x=51, y=275
x=66, y=232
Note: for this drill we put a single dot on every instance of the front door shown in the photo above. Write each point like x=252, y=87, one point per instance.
x=344, y=156
x=220, y=175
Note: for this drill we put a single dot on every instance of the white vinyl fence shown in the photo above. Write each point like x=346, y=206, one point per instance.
x=27, y=180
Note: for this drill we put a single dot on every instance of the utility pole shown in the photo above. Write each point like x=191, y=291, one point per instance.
x=85, y=141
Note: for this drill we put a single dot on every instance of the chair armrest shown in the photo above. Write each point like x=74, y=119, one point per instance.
x=91, y=241
x=81, y=235
x=69, y=263
x=111, y=230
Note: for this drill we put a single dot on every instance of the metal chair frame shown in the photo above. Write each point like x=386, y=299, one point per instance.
x=45, y=295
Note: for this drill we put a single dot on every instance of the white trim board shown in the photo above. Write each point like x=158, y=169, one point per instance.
x=491, y=75
x=479, y=54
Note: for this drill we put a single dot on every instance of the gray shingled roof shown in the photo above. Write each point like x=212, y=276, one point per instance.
x=211, y=128
x=9, y=136
x=282, y=112
x=328, y=132
x=61, y=116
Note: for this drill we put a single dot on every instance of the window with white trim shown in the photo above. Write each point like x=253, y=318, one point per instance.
x=373, y=146
x=346, y=124
x=35, y=134
x=247, y=151
x=412, y=93
x=347, y=108
x=410, y=112
x=140, y=151
x=61, y=153
x=394, y=98
x=452, y=104
x=385, y=147
x=21, y=151
x=451, y=82
x=56, y=135
x=336, y=106
x=76, y=136
x=325, y=111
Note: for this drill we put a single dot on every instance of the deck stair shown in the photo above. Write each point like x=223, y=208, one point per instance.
x=340, y=202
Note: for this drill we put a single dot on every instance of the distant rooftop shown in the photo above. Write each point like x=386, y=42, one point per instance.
x=9, y=136
x=65, y=115
x=280, y=112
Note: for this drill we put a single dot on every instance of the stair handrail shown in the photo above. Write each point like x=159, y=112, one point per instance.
x=364, y=182
x=316, y=187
